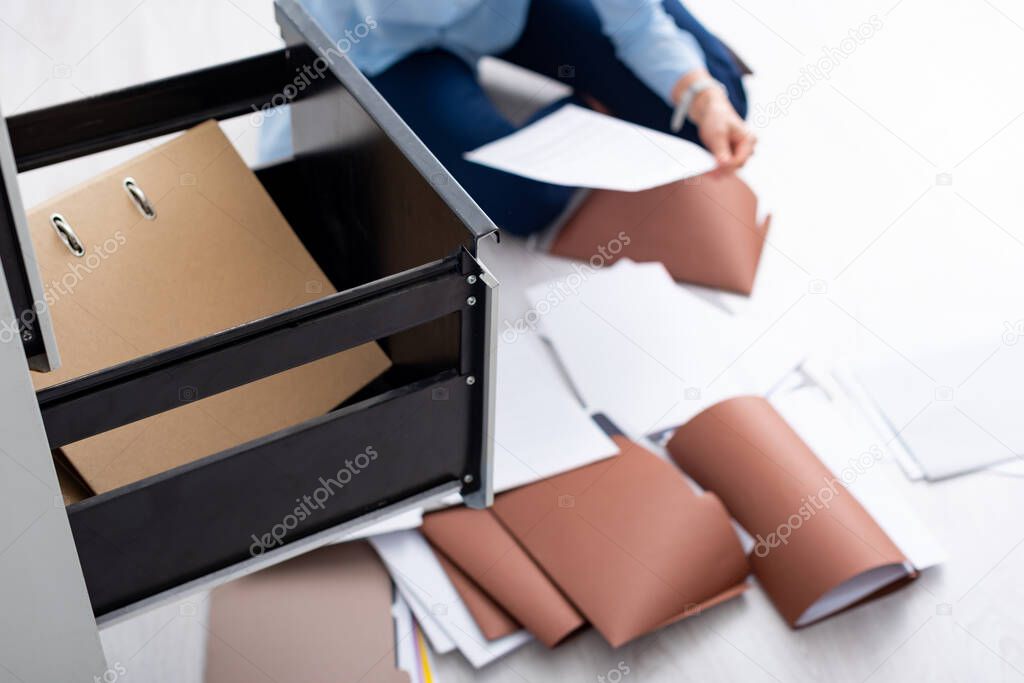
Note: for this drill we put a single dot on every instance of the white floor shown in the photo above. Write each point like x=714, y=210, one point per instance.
x=898, y=226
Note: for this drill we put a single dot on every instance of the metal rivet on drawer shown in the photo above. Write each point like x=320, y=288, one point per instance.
x=471, y=380
x=468, y=479
x=471, y=279
x=471, y=301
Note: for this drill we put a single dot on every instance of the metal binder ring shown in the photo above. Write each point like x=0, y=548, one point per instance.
x=139, y=197
x=67, y=235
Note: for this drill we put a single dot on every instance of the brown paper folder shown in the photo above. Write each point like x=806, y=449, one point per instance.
x=494, y=622
x=322, y=617
x=217, y=254
x=818, y=551
x=628, y=541
x=704, y=230
x=476, y=542
x=72, y=490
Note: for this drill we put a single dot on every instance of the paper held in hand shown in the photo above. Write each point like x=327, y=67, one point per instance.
x=582, y=148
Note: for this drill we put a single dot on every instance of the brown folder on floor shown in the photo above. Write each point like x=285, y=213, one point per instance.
x=476, y=542
x=704, y=230
x=216, y=253
x=628, y=541
x=817, y=550
x=494, y=622
x=321, y=617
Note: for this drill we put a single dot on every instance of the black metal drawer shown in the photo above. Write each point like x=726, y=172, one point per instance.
x=398, y=238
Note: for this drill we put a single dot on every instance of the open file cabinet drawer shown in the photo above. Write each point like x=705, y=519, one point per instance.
x=398, y=238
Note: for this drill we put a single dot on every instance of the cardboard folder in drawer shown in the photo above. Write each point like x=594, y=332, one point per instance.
x=177, y=244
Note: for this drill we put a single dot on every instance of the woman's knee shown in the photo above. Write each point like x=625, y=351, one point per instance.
x=524, y=207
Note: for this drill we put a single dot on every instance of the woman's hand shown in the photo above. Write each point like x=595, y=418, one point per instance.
x=720, y=128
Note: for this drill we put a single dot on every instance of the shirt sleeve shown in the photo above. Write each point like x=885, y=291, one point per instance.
x=650, y=43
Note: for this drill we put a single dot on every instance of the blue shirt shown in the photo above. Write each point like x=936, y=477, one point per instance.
x=377, y=33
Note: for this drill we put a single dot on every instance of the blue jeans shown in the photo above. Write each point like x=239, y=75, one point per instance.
x=439, y=97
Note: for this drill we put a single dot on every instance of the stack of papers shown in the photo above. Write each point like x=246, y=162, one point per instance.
x=953, y=411
x=426, y=589
x=650, y=354
x=411, y=652
x=628, y=342
x=818, y=411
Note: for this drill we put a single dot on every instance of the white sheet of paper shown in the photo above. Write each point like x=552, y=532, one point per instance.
x=858, y=460
x=540, y=427
x=862, y=404
x=430, y=594
x=518, y=267
x=578, y=147
x=964, y=416
x=406, y=657
x=477, y=650
x=854, y=590
x=649, y=354
x=435, y=634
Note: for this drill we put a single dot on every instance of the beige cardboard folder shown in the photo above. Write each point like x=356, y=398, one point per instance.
x=476, y=542
x=704, y=229
x=216, y=254
x=817, y=550
x=71, y=489
x=322, y=617
x=628, y=541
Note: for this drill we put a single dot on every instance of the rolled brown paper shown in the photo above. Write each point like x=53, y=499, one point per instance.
x=494, y=622
x=628, y=541
x=484, y=550
x=812, y=535
x=704, y=229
